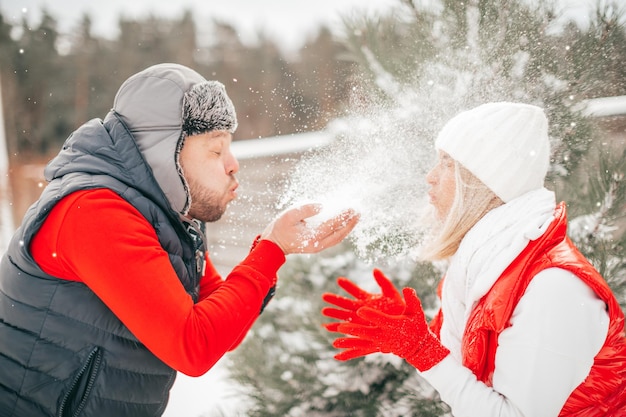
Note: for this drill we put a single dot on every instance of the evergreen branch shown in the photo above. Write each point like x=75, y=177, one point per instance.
x=594, y=227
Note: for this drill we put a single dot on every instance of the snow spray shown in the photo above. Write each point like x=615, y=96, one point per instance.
x=376, y=165
x=383, y=150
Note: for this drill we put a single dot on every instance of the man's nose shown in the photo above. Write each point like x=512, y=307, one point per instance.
x=232, y=167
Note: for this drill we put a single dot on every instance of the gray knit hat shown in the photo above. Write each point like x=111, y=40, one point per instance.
x=161, y=106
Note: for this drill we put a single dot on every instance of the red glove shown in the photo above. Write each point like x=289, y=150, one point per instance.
x=406, y=335
x=390, y=301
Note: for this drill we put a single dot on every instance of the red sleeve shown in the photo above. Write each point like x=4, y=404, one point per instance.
x=100, y=239
x=211, y=279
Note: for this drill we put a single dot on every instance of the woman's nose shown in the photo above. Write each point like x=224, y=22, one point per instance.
x=431, y=177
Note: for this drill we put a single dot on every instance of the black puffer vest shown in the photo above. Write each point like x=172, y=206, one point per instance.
x=62, y=351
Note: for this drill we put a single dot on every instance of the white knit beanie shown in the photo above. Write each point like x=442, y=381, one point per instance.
x=504, y=144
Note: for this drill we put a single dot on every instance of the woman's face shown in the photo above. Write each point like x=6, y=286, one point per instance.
x=442, y=181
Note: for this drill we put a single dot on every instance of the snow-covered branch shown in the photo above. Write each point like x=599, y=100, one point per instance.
x=597, y=226
x=401, y=94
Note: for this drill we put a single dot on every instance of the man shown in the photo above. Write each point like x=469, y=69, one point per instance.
x=106, y=289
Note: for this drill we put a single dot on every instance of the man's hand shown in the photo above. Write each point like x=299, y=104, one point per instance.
x=292, y=234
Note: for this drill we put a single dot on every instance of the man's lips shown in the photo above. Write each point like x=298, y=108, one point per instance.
x=233, y=189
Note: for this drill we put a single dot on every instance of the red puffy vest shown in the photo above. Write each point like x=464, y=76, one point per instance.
x=603, y=392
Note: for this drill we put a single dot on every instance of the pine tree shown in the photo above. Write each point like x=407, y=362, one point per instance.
x=421, y=68
x=286, y=364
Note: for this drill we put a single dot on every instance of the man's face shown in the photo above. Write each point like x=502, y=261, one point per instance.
x=442, y=181
x=209, y=168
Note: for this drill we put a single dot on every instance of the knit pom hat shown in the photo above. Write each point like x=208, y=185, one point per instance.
x=504, y=144
x=162, y=105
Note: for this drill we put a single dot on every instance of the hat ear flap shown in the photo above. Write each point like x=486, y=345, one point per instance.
x=179, y=169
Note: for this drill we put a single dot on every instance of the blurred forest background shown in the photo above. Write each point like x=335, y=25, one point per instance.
x=52, y=90
x=53, y=82
x=417, y=67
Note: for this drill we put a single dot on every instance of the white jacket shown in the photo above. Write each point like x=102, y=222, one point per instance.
x=556, y=329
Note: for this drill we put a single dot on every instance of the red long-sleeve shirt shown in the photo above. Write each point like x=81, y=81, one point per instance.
x=98, y=238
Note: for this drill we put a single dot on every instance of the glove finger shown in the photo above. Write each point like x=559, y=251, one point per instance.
x=340, y=301
x=353, y=343
x=353, y=289
x=413, y=303
x=344, y=316
x=335, y=313
x=366, y=331
x=332, y=327
x=386, y=285
x=377, y=318
x=348, y=354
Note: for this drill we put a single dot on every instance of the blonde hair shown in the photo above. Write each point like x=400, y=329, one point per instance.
x=472, y=200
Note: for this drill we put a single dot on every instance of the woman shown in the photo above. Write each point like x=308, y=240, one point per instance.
x=527, y=327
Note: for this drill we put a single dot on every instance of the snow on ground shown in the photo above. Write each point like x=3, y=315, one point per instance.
x=211, y=395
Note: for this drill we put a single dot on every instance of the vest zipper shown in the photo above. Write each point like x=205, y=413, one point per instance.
x=195, y=232
x=93, y=362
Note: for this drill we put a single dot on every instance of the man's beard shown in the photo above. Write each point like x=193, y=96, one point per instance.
x=205, y=204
